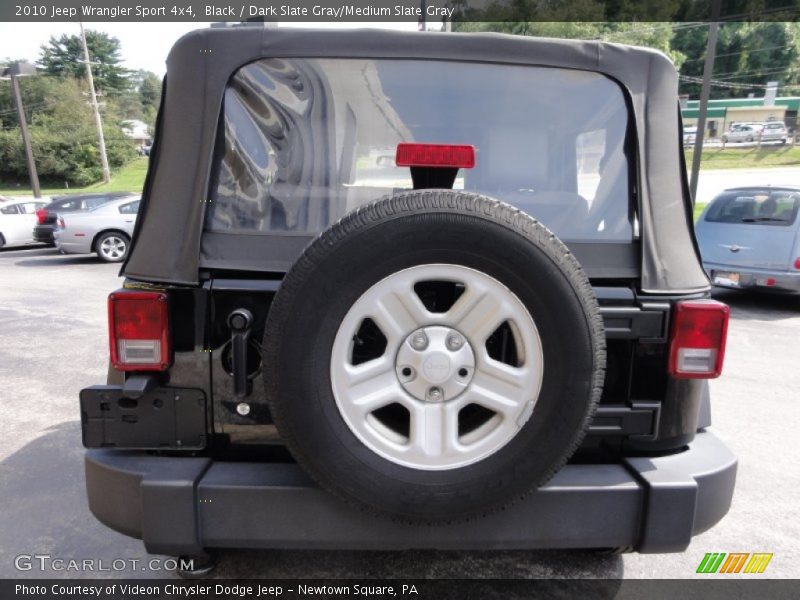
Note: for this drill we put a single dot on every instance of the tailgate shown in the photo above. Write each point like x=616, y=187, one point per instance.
x=746, y=244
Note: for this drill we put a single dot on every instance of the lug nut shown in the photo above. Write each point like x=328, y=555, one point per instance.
x=435, y=394
x=419, y=341
x=454, y=341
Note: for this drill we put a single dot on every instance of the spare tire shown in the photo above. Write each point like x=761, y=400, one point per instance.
x=434, y=356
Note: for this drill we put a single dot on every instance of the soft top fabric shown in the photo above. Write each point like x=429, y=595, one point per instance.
x=168, y=232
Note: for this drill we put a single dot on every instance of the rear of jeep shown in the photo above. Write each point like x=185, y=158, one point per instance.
x=433, y=291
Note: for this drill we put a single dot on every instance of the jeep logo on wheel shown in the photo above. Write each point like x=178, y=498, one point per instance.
x=436, y=367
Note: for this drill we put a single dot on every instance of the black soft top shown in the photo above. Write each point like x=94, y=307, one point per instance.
x=168, y=233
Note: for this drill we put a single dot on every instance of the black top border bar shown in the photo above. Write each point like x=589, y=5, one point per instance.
x=365, y=11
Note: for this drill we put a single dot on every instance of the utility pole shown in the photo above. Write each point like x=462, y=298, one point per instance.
x=705, y=91
x=14, y=72
x=96, y=108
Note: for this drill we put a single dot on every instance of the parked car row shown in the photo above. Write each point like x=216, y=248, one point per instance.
x=77, y=224
x=772, y=131
x=749, y=237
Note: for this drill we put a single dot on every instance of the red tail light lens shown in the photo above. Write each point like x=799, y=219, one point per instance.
x=435, y=155
x=41, y=215
x=138, y=326
x=697, y=340
x=797, y=263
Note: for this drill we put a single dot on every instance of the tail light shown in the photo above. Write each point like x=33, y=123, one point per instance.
x=797, y=263
x=697, y=340
x=435, y=155
x=41, y=215
x=138, y=329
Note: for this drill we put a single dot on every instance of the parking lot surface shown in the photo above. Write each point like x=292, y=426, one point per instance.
x=54, y=342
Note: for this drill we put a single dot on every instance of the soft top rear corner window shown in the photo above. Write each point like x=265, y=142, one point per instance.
x=307, y=140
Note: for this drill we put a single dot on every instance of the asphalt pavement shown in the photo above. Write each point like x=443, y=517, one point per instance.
x=53, y=343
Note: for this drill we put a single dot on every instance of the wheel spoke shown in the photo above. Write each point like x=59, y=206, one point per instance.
x=498, y=387
x=477, y=313
x=372, y=386
x=434, y=430
x=373, y=369
x=399, y=312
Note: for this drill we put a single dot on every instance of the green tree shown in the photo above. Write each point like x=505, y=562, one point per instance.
x=63, y=137
x=150, y=90
x=748, y=55
x=63, y=56
x=34, y=90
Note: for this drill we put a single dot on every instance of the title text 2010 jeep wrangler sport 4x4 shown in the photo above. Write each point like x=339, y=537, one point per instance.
x=394, y=290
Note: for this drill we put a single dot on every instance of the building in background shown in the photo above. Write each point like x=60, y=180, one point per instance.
x=136, y=130
x=722, y=114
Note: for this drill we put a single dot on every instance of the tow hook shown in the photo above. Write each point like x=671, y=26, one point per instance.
x=240, y=321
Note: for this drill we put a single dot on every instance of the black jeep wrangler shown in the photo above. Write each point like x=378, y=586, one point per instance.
x=392, y=290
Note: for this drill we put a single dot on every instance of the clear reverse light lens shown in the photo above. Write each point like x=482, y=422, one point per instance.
x=697, y=360
x=140, y=351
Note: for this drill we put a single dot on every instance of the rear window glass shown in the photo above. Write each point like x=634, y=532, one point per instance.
x=305, y=141
x=72, y=204
x=129, y=209
x=95, y=202
x=755, y=208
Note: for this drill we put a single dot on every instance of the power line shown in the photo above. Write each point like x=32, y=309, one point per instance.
x=737, y=74
x=732, y=85
x=690, y=60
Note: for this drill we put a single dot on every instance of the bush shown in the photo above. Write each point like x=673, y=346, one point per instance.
x=64, y=141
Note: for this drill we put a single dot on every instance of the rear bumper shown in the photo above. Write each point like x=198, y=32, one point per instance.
x=81, y=247
x=184, y=505
x=44, y=234
x=757, y=279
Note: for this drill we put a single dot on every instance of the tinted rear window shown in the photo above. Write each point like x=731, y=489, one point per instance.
x=129, y=209
x=305, y=140
x=755, y=208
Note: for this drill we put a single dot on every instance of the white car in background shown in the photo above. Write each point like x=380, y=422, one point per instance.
x=689, y=135
x=106, y=230
x=774, y=131
x=742, y=132
x=17, y=219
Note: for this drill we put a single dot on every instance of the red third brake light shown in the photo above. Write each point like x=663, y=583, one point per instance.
x=138, y=329
x=435, y=155
x=697, y=341
x=41, y=215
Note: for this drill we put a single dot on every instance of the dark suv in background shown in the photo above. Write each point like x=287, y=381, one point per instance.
x=429, y=291
x=47, y=217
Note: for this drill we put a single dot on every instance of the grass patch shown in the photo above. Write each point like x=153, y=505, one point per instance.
x=129, y=178
x=750, y=157
x=698, y=208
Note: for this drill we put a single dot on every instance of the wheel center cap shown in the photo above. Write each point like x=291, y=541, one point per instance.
x=436, y=367
x=435, y=363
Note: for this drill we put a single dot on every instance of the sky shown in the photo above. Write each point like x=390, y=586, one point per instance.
x=144, y=45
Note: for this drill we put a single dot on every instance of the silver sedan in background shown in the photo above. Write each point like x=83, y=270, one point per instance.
x=749, y=238
x=106, y=230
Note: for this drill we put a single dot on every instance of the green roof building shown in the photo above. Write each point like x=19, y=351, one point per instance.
x=724, y=113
